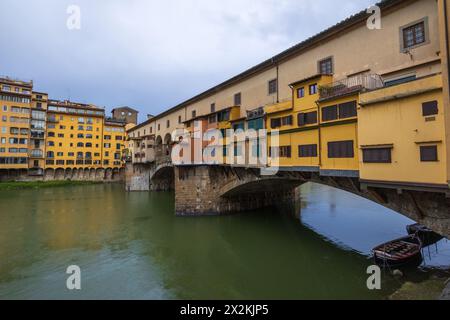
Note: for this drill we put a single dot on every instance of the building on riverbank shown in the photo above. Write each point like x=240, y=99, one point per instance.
x=352, y=101
x=41, y=138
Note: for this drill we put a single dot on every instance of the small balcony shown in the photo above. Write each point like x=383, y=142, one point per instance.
x=36, y=153
x=350, y=85
x=52, y=120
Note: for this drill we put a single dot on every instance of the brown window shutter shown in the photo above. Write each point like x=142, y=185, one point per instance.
x=430, y=108
x=301, y=119
x=341, y=149
x=330, y=113
x=428, y=153
x=377, y=155
x=347, y=110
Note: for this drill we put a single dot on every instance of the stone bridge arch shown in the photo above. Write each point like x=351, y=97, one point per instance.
x=162, y=176
x=213, y=190
x=205, y=190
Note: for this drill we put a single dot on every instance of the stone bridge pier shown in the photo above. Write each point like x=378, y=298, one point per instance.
x=215, y=190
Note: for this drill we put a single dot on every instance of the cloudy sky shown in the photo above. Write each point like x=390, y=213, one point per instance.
x=149, y=54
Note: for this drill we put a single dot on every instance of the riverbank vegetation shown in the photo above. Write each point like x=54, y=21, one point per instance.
x=42, y=184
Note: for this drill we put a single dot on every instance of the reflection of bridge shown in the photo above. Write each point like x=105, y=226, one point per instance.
x=221, y=189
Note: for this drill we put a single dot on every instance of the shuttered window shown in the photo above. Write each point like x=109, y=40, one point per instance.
x=377, y=155
x=430, y=108
x=307, y=118
x=275, y=123
x=307, y=151
x=237, y=99
x=428, y=153
x=341, y=149
x=329, y=113
x=286, y=121
x=347, y=110
x=281, y=152
x=278, y=122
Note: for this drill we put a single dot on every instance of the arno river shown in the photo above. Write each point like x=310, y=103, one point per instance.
x=131, y=246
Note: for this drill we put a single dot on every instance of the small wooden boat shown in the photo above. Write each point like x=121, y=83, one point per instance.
x=426, y=235
x=400, y=252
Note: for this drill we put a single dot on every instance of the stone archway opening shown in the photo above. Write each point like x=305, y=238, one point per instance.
x=163, y=179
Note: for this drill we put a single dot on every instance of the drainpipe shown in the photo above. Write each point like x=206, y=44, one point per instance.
x=278, y=84
x=446, y=37
x=448, y=55
x=319, y=147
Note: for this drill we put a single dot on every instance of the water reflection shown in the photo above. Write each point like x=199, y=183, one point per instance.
x=357, y=224
x=130, y=246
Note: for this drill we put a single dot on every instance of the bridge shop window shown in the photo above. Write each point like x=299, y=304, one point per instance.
x=275, y=123
x=287, y=121
x=377, y=155
x=347, y=110
x=300, y=92
x=430, y=108
x=212, y=118
x=307, y=118
x=213, y=107
x=428, y=154
x=307, y=151
x=330, y=113
x=280, y=152
x=278, y=122
x=341, y=149
x=223, y=116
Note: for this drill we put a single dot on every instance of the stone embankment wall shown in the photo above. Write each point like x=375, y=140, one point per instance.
x=94, y=175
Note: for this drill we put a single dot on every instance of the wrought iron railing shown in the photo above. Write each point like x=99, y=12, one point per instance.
x=351, y=85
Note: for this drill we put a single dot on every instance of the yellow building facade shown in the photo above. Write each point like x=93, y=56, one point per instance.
x=37, y=133
x=79, y=136
x=15, y=111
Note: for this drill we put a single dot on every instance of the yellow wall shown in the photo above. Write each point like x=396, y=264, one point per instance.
x=16, y=115
x=68, y=125
x=112, y=156
x=106, y=141
x=343, y=129
x=400, y=122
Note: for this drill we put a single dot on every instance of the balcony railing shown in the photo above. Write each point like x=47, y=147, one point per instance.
x=351, y=85
x=36, y=154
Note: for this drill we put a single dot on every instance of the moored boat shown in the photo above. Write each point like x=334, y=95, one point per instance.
x=426, y=235
x=401, y=252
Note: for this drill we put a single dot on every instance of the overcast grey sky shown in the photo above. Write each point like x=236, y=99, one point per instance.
x=148, y=54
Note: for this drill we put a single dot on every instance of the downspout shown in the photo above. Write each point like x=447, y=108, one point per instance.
x=319, y=134
x=446, y=39
x=278, y=84
x=447, y=53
